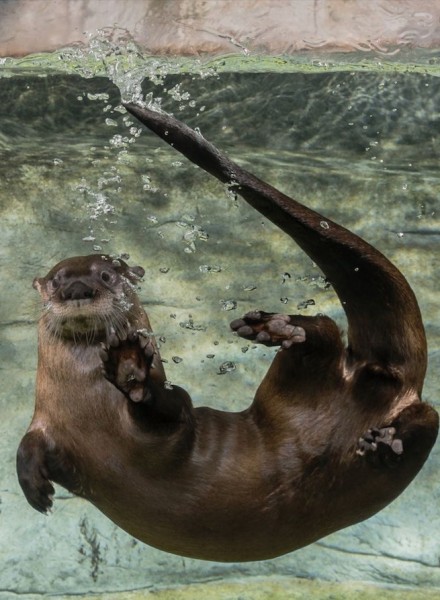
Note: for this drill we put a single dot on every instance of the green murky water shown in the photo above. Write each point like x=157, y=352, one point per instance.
x=358, y=142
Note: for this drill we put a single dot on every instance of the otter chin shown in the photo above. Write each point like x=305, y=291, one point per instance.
x=335, y=432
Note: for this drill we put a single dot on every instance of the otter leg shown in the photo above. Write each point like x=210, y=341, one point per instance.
x=129, y=365
x=408, y=438
x=310, y=355
x=32, y=471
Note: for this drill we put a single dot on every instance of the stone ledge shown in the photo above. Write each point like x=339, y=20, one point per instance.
x=284, y=588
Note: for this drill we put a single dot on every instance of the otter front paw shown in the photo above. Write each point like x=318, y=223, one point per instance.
x=32, y=473
x=381, y=447
x=270, y=329
x=127, y=363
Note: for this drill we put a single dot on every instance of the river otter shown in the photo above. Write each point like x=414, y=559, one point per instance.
x=333, y=435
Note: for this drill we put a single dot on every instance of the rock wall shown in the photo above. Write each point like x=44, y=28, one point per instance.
x=197, y=27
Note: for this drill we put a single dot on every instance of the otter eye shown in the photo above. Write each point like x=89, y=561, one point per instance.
x=106, y=276
x=55, y=284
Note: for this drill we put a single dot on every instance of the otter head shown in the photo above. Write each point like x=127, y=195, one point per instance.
x=89, y=296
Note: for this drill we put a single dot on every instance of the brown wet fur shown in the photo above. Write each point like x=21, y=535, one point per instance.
x=333, y=435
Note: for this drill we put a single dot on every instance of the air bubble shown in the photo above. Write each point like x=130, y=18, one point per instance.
x=210, y=269
x=191, y=325
x=118, y=141
x=98, y=96
x=228, y=304
x=305, y=304
x=226, y=367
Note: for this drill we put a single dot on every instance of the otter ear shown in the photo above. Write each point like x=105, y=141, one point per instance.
x=136, y=272
x=37, y=283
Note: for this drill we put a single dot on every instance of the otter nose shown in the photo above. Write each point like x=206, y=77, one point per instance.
x=77, y=291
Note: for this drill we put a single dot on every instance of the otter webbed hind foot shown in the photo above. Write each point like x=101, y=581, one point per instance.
x=405, y=442
x=270, y=329
x=381, y=446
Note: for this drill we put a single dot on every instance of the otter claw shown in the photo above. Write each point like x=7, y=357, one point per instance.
x=144, y=342
x=113, y=340
x=133, y=336
x=103, y=354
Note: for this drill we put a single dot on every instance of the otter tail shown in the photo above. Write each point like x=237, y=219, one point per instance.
x=384, y=322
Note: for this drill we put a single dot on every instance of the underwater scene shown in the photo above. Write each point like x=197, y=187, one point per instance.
x=357, y=141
